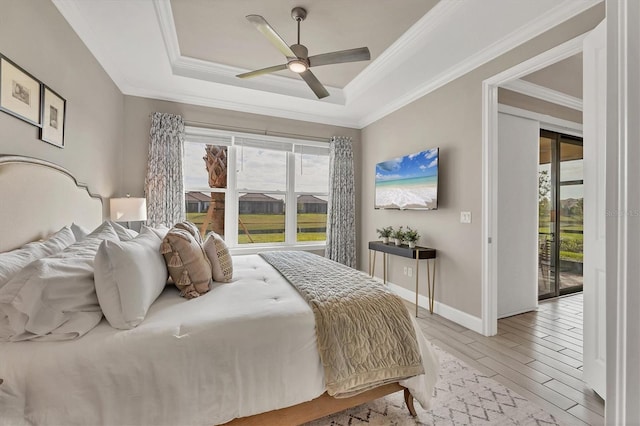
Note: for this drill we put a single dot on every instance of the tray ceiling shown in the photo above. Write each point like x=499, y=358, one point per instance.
x=218, y=31
x=190, y=50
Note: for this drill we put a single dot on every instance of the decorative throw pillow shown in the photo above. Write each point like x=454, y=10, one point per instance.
x=192, y=229
x=220, y=258
x=187, y=262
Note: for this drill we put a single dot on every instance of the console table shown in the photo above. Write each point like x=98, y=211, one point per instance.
x=418, y=253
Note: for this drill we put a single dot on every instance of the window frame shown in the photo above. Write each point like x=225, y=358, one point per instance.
x=211, y=136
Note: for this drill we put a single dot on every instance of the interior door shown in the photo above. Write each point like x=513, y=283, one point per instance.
x=594, y=118
x=517, y=214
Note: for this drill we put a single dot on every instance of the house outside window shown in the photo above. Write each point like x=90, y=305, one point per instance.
x=256, y=190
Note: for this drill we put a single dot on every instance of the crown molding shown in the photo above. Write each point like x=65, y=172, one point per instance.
x=544, y=93
x=553, y=17
x=206, y=101
x=186, y=66
x=402, y=49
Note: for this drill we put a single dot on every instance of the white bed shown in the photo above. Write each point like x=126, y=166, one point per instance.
x=244, y=348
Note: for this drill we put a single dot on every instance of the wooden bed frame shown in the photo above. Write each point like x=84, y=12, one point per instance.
x=320, y=407
x=40, y=197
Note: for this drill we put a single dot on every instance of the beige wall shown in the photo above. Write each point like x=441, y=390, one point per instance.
x=35, y=36
x=138, y=121
x=450, y=118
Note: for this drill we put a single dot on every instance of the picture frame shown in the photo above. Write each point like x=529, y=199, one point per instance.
x=20, y=92
x=53, y=117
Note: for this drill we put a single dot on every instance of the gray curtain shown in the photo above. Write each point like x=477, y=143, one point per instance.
x=164, y=186
x=341, y=220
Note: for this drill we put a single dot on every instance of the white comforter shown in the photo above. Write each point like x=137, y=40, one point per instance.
x=241, y=349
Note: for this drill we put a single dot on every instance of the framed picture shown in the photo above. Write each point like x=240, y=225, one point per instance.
x=53, y=117
x=20, y=92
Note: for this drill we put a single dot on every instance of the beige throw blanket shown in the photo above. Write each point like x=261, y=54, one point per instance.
x=365, y=336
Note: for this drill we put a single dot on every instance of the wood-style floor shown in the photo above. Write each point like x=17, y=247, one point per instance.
x=537, y=354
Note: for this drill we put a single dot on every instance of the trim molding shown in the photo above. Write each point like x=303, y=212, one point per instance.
x=555, y=16
x=547, y=122
x=544, y=93
x=238, y=106
x=401, y=49
x=445, y=311
x=623, y=227
x=186, y=66
x=489, y=181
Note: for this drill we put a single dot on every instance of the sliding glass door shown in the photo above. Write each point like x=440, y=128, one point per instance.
x=560, y=214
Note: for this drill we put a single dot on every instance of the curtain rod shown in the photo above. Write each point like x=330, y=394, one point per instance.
x=253, y=131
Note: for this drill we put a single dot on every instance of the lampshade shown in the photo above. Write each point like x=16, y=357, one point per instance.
x=128, y=209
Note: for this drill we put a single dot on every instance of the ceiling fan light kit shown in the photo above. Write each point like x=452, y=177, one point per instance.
x=298, y=59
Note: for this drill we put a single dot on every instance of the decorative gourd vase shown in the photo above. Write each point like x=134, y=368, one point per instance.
x=412, y=244
x=398, y=241
x=385, y=240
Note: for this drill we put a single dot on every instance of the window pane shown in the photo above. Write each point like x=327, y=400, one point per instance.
x=312, y=172
x=261, y=169
x=261, y=218
x=205, y=166
x=206, y=211
x=312, y=218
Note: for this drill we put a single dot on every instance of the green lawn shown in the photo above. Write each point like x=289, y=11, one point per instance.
x=274, y=223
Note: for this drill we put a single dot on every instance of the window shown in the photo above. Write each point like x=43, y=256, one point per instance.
x=256, y=189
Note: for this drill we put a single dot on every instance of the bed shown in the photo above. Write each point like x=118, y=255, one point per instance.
x=244, y=353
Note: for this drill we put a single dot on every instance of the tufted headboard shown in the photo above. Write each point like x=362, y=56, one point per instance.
x=38, y=198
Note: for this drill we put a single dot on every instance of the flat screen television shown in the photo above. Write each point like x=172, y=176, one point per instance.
x=409, y=182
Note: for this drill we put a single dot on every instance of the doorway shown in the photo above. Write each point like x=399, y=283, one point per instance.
x=560, y=214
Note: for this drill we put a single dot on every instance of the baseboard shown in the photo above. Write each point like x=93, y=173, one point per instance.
x=445, y=311
x=517, y=312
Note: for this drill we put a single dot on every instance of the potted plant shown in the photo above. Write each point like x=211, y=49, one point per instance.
x=385, y=233
x=411, y=236
x=398, y=236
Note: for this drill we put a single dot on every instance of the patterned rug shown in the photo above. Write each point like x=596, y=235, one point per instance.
x=462, y=396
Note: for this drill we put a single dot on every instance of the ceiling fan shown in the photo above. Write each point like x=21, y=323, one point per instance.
x=298, y=59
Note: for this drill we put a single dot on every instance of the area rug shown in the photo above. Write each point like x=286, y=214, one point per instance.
x=462, y=396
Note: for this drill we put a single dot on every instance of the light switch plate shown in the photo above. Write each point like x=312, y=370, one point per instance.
x=465, y=217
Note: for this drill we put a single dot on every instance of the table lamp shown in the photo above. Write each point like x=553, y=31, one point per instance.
x=128, y=209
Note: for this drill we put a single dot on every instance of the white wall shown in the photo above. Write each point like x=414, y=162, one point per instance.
x=517, y=199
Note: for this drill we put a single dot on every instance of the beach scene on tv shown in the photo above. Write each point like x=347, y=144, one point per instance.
x=409, y=182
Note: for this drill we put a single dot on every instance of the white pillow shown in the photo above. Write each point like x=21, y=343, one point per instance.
x=54, y=298
x=80, y=232
x=161, y=231
x=219, y=257
x=13, y=261
x=129, y=277
x=123, y=233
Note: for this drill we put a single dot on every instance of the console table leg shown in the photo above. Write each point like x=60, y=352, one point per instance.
x=417, y=274
x=384, y=267
x=431, y=284
x=372, y=267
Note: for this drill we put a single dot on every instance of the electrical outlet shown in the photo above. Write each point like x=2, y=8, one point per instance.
x=465, y=217
x=405, y=270
x=410, y=272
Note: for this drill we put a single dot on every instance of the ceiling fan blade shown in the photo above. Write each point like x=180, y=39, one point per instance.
x=314, y=84
x=262, y=71
x=263, y=26
x=350, y=55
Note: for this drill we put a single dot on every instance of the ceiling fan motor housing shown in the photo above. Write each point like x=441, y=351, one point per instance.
x=298, y=13
x=301, y=51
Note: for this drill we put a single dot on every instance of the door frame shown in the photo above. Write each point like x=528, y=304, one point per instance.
x=489, y=174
